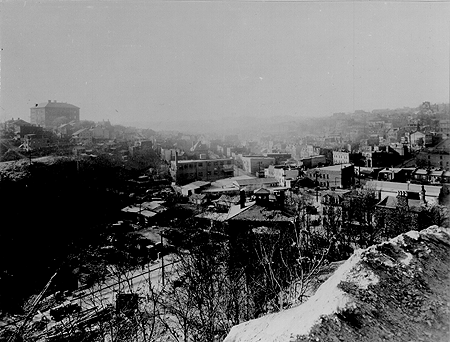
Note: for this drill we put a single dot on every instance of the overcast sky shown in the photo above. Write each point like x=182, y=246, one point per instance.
x=164, y=60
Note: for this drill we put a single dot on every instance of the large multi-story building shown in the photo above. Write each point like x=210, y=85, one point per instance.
x=341, y=157
x=185, y=171
x=49, y=114
x=437, y=156
x=339, y=176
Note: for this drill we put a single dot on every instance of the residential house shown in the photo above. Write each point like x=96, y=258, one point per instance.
x=400, y=210
x=283, y=174
x=101, y=133
x=437, y=156
x=65, y=130
x=417, y=139
x=393, y=174
x=83, y=135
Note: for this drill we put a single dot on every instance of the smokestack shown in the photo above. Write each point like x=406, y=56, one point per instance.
x=242, y=198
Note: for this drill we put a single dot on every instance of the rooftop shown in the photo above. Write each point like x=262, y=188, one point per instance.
x=259, y=213
x=431, y=190
x=232, y=212
x=334, y=167
x=392, y=202
x=202, y=160
x=54, y=104
x=255, y=181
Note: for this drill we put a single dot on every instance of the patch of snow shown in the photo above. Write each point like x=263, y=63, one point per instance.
x=360, y=276
x=406, y=261
x=299, y=320
x=389, y=263
x=413, y=234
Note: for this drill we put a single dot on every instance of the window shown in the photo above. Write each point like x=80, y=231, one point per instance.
x=215, y=172
x=215, y=163
x=200, y=174
x=200, y=164
x=209, y=173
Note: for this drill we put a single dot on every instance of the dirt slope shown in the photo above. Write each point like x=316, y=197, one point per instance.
x=395, y=291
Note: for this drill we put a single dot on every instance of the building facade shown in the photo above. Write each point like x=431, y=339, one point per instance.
x=341, y=157
x=256, y=164
x=186, y=171
x=51, y=114
x=339, y=176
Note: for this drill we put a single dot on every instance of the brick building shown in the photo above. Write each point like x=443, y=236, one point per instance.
x=46, y=114
x=437, y=156
x=185, y=171
x=339, y=176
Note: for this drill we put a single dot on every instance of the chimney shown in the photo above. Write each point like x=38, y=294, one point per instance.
x=402, y=200
x=49, y=101
x=422, y=196
x=242, y=198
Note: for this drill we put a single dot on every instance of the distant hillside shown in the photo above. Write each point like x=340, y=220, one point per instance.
x=395, y=291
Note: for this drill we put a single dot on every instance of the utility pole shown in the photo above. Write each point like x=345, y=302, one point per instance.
x=162, y=259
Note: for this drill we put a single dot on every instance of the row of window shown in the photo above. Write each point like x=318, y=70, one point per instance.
x=192, y=165
x=200, y=174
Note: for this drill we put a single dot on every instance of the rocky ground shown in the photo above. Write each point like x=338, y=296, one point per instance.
x=395, y=291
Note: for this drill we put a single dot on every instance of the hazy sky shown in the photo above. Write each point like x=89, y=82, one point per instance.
x=163, y=60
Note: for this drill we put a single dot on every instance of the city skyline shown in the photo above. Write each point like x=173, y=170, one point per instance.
x=175, y=61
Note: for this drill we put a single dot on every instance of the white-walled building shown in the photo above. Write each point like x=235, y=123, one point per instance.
x=341, y=157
